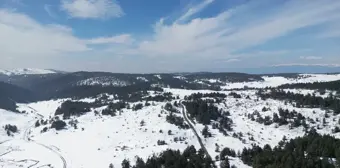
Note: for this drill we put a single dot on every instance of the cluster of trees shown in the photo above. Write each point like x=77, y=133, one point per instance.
x=169, y=107
x=284, y=117
x=112, y=108
x=310, y=151
x=296, y=119
x=72, y=108
x=216, y=95
x=161, y=142
x=235, y=95
x=256, y=116
x=227, y=152
x=178, y=121
x=205, y=112
x=137, y=106
x=190, y=158
x=202, y=111
x=165, y=96
x=206, y=132
x=10, y=129
x=301, y=100
x=223, y=124
x=58, y=124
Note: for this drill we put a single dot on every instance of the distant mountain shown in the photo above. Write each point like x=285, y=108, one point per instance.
x=294, y=68
x=27, y=71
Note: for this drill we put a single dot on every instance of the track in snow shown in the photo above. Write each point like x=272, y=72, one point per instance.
x=186, y=118
x=27, y=139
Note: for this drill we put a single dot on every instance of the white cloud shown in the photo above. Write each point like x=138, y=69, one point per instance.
x=48, y=10
x=232, y=60
x=310, y=57
x=190, y=36
x=120, y=39
x=92, y=9
x=33, y=38
x=301, y=64
x=195, y=36
x=194, y=10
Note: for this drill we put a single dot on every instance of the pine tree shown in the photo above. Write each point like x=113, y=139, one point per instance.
x=126, y=164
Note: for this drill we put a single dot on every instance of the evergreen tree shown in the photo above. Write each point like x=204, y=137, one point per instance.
x=126, y=164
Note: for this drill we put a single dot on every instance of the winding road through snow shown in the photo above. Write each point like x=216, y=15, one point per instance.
x=27, y=139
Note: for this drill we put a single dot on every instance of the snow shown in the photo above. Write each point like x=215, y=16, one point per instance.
x=29, y=152
x=278, y=80
x=26, y=71
x=142, y=79
x=9, y=117
x=112, y=139
x=16, y=151
x=262, y=134
x=180, y=77
x=311, y=92
x=43, y=108
x=213, y=80
x=104, y=81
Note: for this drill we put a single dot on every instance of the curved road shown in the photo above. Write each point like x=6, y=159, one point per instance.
x=27, y=139
x=186, y=118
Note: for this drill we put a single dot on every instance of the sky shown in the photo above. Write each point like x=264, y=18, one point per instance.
x=168, y=35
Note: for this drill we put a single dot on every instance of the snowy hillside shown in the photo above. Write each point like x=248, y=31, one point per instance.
x=26, y=71
x=104, y=81
x=105, y=129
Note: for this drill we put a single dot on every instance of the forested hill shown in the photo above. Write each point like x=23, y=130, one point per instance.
x=10, y=94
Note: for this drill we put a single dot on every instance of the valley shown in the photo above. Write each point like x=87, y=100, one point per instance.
x=86, y=120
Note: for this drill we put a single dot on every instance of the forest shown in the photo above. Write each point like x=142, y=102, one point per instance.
x=202, y=110
x=189, y=158
x=308, y=101
x=310, y=151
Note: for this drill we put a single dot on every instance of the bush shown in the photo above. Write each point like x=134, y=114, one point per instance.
x=37, y=123
x=161, y=142
x=11, y=129
x=58, y=125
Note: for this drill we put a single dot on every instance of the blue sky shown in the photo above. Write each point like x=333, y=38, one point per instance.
x=168, y=35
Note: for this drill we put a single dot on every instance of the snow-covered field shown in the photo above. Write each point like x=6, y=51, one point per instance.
x=278, y=80
x=101, y=140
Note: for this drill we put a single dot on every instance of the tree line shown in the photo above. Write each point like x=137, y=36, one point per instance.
x=333, y=85
x=309, y=100
x=189, y=158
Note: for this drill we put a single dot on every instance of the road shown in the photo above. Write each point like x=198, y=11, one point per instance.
x=186, y=118
x=29, y=140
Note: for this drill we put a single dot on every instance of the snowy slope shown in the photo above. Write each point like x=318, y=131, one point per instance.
x=26, y=71
x=278, y=80
x=106, y=140
x=17, y=151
